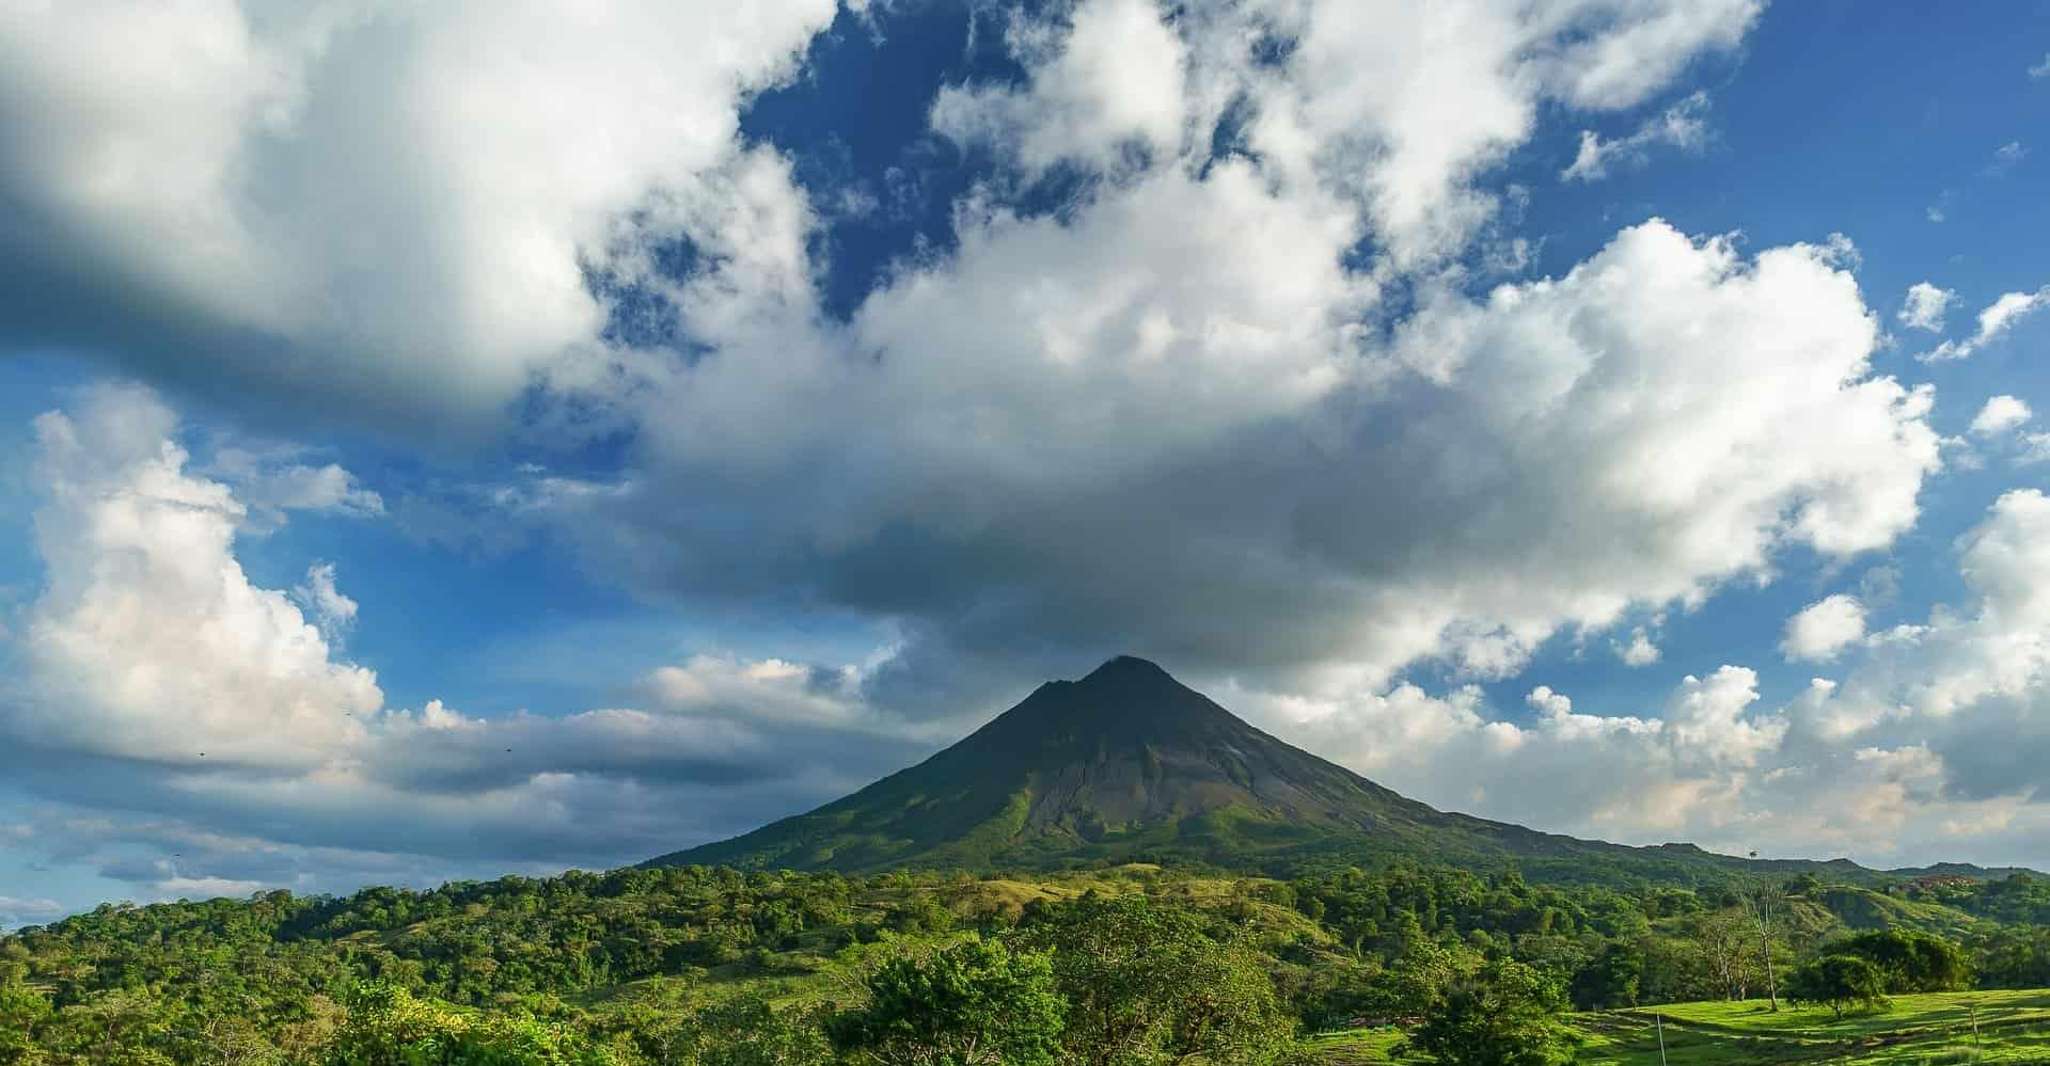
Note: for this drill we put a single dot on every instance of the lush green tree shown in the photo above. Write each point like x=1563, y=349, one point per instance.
x=977, y=1003
x=388, y=1026
x=1676, y=968
x=1145, y=983
x=1229, y=1013
x=1610, y=979
x=2013, y=957
x=23, y=1010
x=2022, y=898
x=1723, y=938
x=1337, y=992
x=747, y=1031
x=1839, y=982
x=1802, y=885
x=1671, y=902
x=1417, y=979
x=1383, y=911
x=1912, y=961
x=1504, y=1014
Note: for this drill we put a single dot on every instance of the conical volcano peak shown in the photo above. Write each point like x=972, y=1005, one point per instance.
x=1127, y=701
x=1126, y=761
x=1129, y=764
x=1128, y=667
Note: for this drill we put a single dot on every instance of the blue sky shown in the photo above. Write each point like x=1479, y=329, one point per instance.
x=575, y=461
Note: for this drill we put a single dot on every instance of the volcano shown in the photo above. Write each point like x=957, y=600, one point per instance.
x=1130, y=765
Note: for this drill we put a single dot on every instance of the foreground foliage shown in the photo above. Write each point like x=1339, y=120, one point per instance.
x=976, y=1003
x=1504, y=1014
x=1129, y=965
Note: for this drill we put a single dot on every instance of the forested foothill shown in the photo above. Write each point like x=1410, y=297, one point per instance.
x=1124, y=965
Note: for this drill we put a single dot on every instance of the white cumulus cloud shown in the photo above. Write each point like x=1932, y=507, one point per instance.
x=1925, y=306
x=2000, y=415
x=1930, y=745
x=156, y=675
x=1023, y=414
x=1110, y=79
x=1824, y=628
x=1234, y=401
x=1640, y=651
x=149, y=641
x=395, y=204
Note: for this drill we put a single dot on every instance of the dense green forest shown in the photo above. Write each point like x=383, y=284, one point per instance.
x=1126, y=965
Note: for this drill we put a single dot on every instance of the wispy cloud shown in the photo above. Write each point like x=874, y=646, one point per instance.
x=2006, y=158
x=17, y=910
x=1684, y=125
x=1999, y=317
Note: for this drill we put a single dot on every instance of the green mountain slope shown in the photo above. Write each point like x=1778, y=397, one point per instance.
x=1864, y=908
x=1125, y=764
x=1129, y=764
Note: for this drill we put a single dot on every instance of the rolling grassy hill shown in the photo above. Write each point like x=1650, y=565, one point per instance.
x=1863, y=908
x=1920, y=1030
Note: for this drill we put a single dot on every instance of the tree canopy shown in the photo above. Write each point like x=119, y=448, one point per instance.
x=976, y=1003
x=1503, y=1014
x=1839, y=982
x=713, y=967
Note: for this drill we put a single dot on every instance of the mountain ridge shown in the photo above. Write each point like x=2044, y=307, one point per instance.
x=1127, y=764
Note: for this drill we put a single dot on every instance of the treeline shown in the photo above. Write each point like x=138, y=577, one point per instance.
x=2022, y=898
x=707, y=966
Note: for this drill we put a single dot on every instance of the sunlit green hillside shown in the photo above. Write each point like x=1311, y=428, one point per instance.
x=1948, y=1027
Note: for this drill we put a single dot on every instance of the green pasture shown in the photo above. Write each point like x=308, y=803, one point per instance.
x=1932, y=1029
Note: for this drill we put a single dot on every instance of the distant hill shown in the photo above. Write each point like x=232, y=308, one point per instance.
x=1129, y=764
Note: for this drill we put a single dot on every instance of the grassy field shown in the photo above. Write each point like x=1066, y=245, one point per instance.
x=1955, y=1027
